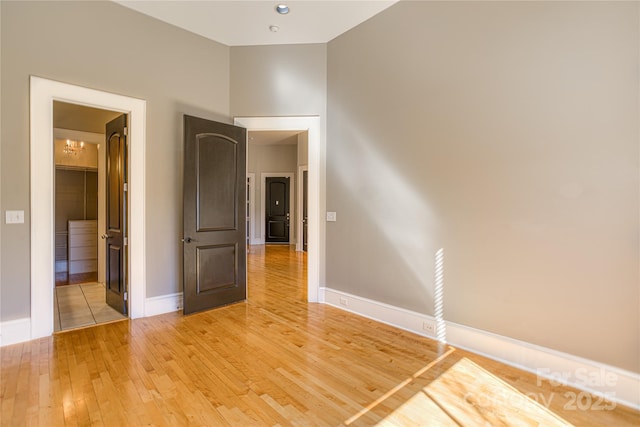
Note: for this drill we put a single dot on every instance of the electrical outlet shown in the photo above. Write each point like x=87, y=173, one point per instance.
x=429, y=326
x=344, y=301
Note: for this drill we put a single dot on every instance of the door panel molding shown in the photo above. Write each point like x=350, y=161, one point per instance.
x=223, y=219
x=317, y=198
x=42, y=94
x=263, y=203
x=217, y=267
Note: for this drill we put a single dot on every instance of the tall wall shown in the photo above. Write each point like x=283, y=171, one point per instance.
x=105, y=46
x=506, y=133
x=279, y=80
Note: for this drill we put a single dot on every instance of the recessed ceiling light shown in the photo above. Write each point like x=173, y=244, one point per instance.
x=282, y=9
x=274, y=28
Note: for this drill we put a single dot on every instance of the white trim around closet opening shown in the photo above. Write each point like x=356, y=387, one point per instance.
x=43, y=93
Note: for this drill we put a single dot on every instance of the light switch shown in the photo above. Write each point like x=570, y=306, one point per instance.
x=14, y=217
x=331, y=216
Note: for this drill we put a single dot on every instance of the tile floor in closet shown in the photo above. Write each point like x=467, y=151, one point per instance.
x=76, y=306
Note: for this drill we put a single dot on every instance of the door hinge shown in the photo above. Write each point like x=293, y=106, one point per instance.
x=126, y=186
x=125, y=296
x=126, y=131
x=126, y=241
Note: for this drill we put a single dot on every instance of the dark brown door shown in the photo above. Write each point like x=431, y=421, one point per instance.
x=305, y=219
x=214, y=249
x=277, y=210
x=116, y=218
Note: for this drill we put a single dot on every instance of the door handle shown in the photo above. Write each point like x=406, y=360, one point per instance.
x=106, y=236
x=188, y=240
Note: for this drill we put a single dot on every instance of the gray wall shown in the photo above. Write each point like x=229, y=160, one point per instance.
x=105, y=46
x=273, y=158
x=505, y=133
x=282, y=80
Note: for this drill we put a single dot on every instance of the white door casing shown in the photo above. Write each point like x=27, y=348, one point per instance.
x=251, y=208
x=316, y=176
x=42, y=94
x=300, y=190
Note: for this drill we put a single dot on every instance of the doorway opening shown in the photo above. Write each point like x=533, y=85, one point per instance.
x=79, y=216
x=310, y=126
x=43, y=93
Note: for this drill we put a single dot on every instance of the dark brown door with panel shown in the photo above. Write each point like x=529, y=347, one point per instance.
x=277, y=214
x=116, y=217
x=214, y=239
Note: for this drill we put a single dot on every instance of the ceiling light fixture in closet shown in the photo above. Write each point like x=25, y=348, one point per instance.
x=72, y=148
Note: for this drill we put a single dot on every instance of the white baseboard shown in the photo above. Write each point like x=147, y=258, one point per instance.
x=615, y=384
x=163, y=304
x=256, y=241
x=15, y=331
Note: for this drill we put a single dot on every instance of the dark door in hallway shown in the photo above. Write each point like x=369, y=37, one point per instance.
x=214, y=248
x=277, y=210
x=116, y=214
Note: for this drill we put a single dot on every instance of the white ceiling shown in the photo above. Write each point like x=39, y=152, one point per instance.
x=246, y=23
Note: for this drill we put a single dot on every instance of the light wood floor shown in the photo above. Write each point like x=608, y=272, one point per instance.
x=275, y=360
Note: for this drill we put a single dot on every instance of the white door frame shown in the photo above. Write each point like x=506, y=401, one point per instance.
x=43, y=93
x=263, y=202
x=251, y=176
x=316, y=175
x=300, y=191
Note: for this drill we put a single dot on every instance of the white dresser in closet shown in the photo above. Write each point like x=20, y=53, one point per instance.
x=83, y=246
